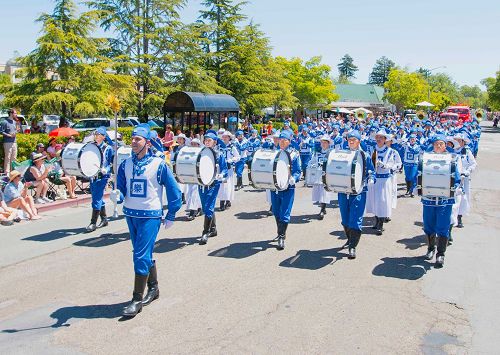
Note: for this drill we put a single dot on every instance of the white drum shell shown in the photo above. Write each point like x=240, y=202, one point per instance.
x=314, y=175
x=344, y=171
x=270, y=169
x=436, y=172
x=81, y=159
x=195, y=165
x=123, y=153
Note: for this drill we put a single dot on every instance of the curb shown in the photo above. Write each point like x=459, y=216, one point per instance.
x=81, y=200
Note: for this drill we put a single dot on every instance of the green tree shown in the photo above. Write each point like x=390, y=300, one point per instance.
x=346, y=67
x=493, y=90
x=405, y=89
x=443, y=83
x=64, y=74
x=473, y=96
x=380, y=71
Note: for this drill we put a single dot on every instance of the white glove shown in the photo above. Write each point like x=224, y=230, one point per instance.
x=168, y=223
x=219, y=177
x=291, y=181
x=371, y=181
x=114, y=196
x=103, y=171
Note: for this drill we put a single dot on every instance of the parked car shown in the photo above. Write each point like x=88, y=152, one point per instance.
x=25, y=127
x=87, y=124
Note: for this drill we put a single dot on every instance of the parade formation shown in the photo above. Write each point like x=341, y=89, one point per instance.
x=359, y=160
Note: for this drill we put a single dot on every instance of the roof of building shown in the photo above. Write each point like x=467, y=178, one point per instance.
x=183, y=101
x=368, y=93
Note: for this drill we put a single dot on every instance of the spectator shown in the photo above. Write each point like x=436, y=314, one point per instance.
x=16, y=195
x=8, y=215
x=40, y=148
x=37, y=174
x=53, y=148
x=56, y=176
x=168, y=139
x=8, y=129
x=35, y=128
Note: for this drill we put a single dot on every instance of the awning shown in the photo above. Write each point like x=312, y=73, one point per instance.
x=182, y=101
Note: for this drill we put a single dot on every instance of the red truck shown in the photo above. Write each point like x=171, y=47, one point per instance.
x=464, y=114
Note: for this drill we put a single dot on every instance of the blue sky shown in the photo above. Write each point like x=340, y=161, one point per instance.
x=461, y=35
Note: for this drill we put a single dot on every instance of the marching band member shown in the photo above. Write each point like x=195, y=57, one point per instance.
x=282, y=201
x=396, y=169
x=352, y=206
x=319, y=193
x=99, y=182
x=272, y=144
x=469, y=165
x=437, y=212
x=411, y=153
x=253, y=143
x=306, y=144
x=193, y=202
x=180, y=142
x=241, y=146
x=380, y=195
x=208, y=194
x=227, y=188
x=140, y=182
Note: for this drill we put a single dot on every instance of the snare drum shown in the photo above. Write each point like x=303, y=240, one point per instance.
x=436, y=175
x=270, y=169
x=81, y=159
x=314, y=173
x=195, y=165
x=122, y=153
x=344, y=171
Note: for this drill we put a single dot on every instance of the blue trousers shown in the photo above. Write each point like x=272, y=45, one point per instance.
x=143, y=233
x=352, y=208
x=208, y=197
x=239, y=167
x=304, y=161
x=437, y=220
x=282, y=203
x=97, y=187
x=411, y=173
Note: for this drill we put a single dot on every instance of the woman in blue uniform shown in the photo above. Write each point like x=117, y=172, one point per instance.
x=282, y=201
x=208, y=194
x=411, y=153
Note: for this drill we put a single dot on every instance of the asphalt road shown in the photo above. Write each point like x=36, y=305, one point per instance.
x=62, y=290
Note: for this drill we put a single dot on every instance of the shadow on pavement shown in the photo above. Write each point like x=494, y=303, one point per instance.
x=252, y=215
x=306, y=218
x=313, y=259
x=414, y=243
x=55, y=234
x=405, y=268
x=168, y=245
x=103, y=240
x=243, y=250
x=419, y=223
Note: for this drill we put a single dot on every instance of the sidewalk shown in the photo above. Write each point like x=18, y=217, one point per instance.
x=80, y=200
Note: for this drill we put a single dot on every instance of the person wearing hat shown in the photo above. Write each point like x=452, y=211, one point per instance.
x=411, y=153
x=37, y=175
x=141, y=179
x=16, y=195
x=306, y=144
x=241, y=145
x=398, y=165
x=352, y=206
x=193, y=202
x=208, y=194
x=379, y=197
x=99, y=182
x=437, y=212
x=8, y=215
x=319, y=193
x=282, y=201
x=227, y=188
x=180, y=141
x=253, y=143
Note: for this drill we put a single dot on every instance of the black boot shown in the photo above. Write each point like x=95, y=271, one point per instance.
x=442, y=242
x=353, y=242
x=104, y=218
x=450, y=237
x=281, y=235
x=222, y=206
x=135, y=306
x=191, y=215
x=153, y=290
x=93, y=220
x=207, y=223
x=347, y=231
x=183, y=199
x=431, y=247
x=322, y=212
x=239, y=183
x=198, y=213
x=460, y=224
x=380, y=227
x=228, y=205
x=375, y=226
x=270, y=212
x=213, y=228
x=408, y=187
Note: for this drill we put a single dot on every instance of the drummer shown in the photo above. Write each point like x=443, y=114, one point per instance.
x=227, y=188
x=306, y=145
x=193, y=202
x=319, y=193
x=241, y=146
x=180, y=142
x=352, y=206
x=208, y=194
x=411, y=152
x=282, y=201
x=99, y=182
x=437, y=212
x=274, y=144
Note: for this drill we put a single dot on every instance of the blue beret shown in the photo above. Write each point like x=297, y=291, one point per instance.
x=239, y=133
x=286, y=135
x=412, y=136
x=100, y=130
x=287, y=123
x=354, y=134
x=438, y=137
x=211, y=135
x=153, y=134
x=211, y=131
x=142, y=131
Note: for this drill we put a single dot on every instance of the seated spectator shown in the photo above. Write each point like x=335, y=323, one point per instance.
x=40, y=148
x=16, y=195
x=53, y=148
x=37, y=174
x=35, y=128
x=56, y=176
x=8, y=215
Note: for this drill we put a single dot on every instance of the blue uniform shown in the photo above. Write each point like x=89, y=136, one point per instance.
x=306, y=145
x=282, y=201
x=99, y=182
x=410, y=164
x=208, y=194
x=241, y=147
x=253, y=143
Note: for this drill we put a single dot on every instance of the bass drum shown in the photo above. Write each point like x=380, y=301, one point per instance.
x=195, y=165
x=344, y=171
x=270, y=169
x=436, y=175
x=81, y=159
x=314, y=173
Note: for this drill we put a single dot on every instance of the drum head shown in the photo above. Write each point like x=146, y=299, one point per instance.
x=282, y=171
x=358, y=175
x=90, y=160
x=207, y=168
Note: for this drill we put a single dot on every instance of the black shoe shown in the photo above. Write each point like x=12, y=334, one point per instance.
x=93, y=220
x=387, y=219
x=17, y=219
x=153, y=290
x=222, y=206
x=228, y=205
x=321, y=215
x=281, y=243
x=198, y=213
x=460, y=224
x=347, y=231
x=190, y=216
x=439, y=262
x=282, y=226
x=431, y=247
x=380, y=227
x=450, y=237
x=352, y=253
x=104, y=218
x=375, y=226
x=135, y=306
x=207, y=224
x=442, y=243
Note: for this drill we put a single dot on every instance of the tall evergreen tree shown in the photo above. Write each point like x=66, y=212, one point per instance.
x=346, y=67
x=380, y=71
